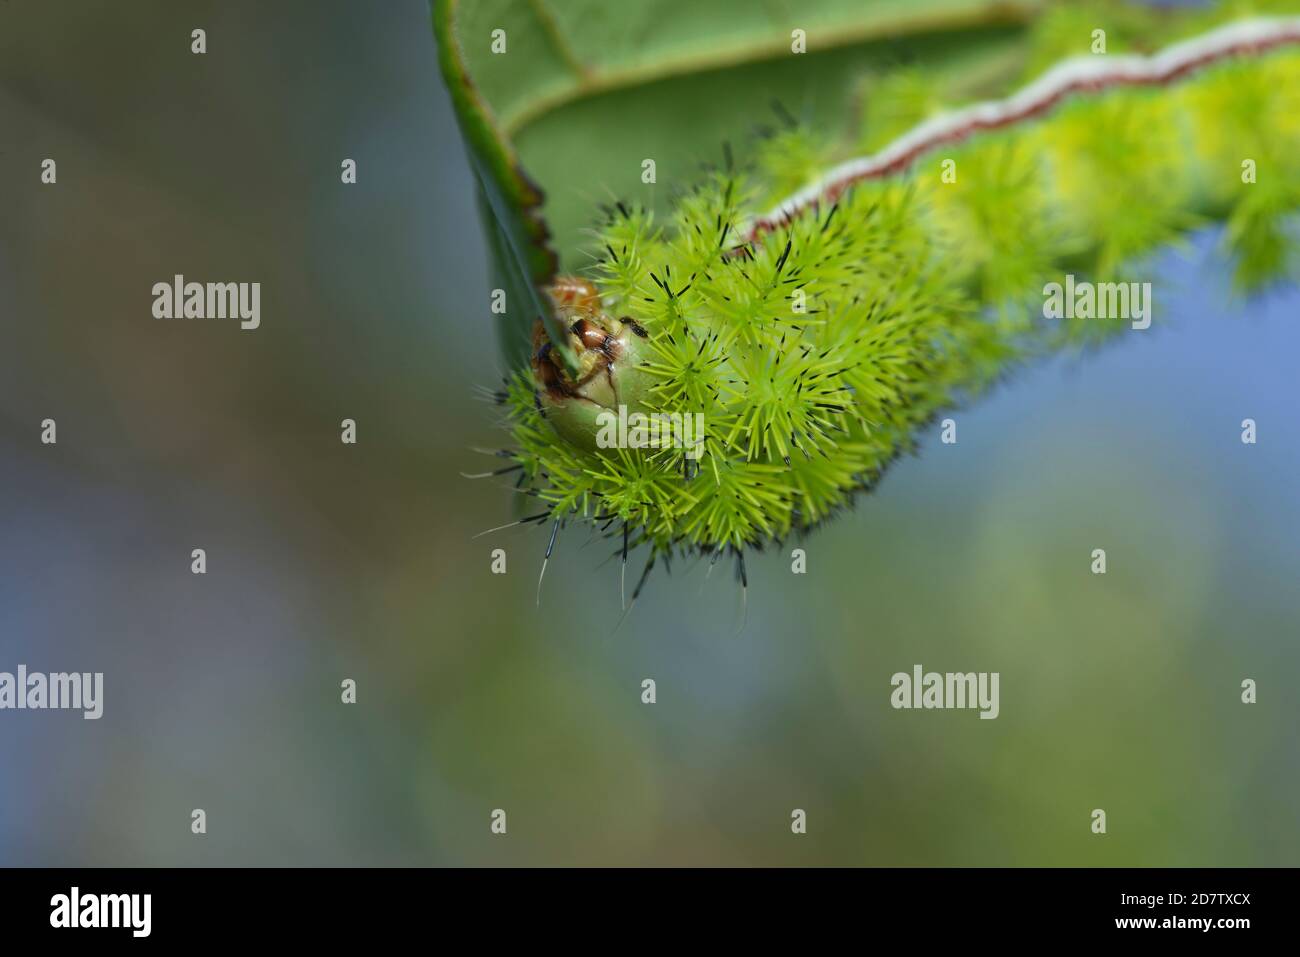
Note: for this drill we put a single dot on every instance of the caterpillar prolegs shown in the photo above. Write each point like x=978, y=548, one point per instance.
x=815, y=334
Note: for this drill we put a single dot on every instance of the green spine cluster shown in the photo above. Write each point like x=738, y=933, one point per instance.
x=818, y=353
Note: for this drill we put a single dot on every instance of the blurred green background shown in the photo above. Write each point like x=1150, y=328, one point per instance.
x=328, y=561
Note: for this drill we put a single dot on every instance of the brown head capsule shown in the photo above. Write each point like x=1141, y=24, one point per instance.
x=575, y=293
x=609, y=354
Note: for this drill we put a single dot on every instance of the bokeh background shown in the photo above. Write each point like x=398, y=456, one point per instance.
x=328, y=561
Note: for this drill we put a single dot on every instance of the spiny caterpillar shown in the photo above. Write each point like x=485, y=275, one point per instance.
x=817, y=339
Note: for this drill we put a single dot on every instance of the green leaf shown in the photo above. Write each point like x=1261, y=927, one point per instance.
x=517, y=234
x=587, y=90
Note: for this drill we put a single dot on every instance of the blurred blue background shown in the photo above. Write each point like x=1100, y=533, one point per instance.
x=328, y=561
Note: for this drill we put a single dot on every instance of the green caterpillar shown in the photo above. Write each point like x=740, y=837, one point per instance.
x=815, y=340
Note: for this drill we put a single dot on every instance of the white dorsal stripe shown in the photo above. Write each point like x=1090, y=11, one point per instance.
x=1077, y=73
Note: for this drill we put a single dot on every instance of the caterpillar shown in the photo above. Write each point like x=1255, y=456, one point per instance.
x=816, y=334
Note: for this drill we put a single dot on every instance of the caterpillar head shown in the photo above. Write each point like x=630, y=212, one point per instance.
x=609, y=373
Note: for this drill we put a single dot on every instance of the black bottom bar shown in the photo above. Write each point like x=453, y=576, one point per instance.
x=371, y=906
